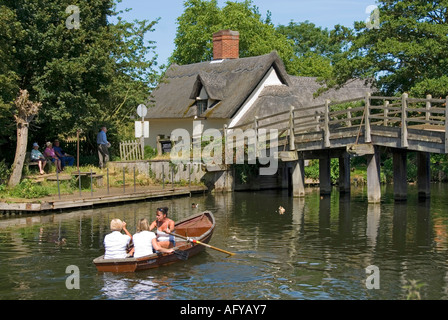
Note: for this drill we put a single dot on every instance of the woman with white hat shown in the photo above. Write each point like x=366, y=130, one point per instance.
x=37, y=156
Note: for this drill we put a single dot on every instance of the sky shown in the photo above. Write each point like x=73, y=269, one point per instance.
x=323, y=13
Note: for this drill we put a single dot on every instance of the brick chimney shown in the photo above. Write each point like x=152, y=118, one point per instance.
x=226, y=45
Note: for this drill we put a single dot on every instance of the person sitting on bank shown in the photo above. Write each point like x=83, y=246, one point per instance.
x=50, y=154
x=165, y=227
x=66, y=159
x=37, y=156
x=145, y=241
x=116, y=243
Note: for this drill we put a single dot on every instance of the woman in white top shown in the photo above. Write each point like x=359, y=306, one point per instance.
x=115, y=242
x=145, y=241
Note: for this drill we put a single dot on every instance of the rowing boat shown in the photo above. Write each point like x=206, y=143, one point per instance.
x=198, y=227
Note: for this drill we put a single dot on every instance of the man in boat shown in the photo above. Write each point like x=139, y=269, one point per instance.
x=165, y=227
x=116, y=243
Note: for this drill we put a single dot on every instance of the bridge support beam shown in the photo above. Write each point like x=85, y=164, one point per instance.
x=325, y=174
x=373, y=177
x=400, y=175
x=423, y=175
x=298, y=179
x=344, y=173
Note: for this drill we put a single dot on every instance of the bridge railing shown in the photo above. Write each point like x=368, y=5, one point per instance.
x=325, y=121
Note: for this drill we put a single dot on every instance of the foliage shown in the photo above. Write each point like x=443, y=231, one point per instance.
x=29, y=190
x=87, y=77
x=312, y=170
x=150, y=152
x=315, y=47
x=405, y=54
x=202, y=18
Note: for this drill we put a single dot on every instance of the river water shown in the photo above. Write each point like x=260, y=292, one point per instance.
x=318, y=249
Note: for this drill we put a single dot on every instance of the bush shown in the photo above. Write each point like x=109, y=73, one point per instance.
x=29, y=190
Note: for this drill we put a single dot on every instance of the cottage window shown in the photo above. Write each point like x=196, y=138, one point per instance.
x=202, y=106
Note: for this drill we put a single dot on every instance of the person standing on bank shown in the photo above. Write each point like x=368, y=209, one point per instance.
x=103, y=147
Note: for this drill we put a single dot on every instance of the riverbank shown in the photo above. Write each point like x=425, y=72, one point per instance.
x=101, y=197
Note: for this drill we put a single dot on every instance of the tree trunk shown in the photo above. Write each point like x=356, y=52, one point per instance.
x=17, y=167
x=26, y=111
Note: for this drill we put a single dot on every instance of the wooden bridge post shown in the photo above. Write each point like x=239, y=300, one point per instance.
x=428, y=107
x=373, y=177
x=404, y=122
x=298, y=178
x=292, y=144
x=327, y=124
x=400, y=174
x=325, y=174
x=423, y=175
x=368, y=137
x=344, y=173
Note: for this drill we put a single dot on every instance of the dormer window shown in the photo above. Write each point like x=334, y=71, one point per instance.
x=202, y=106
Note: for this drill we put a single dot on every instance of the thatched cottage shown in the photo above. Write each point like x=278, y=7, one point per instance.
x=231, y=91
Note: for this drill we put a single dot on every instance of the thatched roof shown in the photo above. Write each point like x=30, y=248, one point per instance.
x=230, y=81
x=276, y=99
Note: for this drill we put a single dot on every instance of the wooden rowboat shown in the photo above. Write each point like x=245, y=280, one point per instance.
x=198, y=227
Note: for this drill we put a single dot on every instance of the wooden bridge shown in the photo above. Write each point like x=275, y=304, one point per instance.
x=361, y=127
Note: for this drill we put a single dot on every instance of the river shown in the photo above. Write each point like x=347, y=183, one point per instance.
x=318, y=249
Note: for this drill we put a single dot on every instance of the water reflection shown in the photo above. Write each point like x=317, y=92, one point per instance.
x=318, y=249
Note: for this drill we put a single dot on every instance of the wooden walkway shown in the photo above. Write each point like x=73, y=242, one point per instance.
x=98, y=198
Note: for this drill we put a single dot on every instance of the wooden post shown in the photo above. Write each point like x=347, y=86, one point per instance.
x=344, y=173
x=349, y=117
x=404, y=123
x=292, y=139
x=327, y=124
x=400, y=175
x=386, y=113
x=368, y=136
x=423, y=175
x=325, y=174
x=298, y=179
x=373, y=177
x=428, y=107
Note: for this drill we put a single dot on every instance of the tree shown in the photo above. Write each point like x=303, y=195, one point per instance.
x=26, y=110
x=202, y=18
x=406, y=53
x=316, y=48
x=87, y=77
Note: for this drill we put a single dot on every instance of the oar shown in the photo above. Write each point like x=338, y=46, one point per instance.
x=203, y=244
